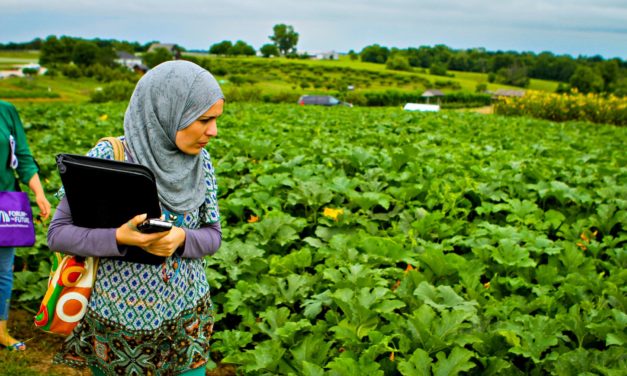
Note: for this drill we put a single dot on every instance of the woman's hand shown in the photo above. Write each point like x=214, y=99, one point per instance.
x=128, y=234
x=168, y=244
x=42, y=202
x=44, y=206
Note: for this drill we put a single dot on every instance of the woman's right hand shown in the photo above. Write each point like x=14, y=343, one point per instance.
x=128, y=234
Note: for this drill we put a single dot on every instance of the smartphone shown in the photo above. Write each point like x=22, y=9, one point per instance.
x=150, y=226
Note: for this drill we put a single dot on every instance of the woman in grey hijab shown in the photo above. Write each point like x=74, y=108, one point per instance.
x=146, y=316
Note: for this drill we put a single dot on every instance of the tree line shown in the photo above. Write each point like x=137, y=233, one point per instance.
x=587, y=74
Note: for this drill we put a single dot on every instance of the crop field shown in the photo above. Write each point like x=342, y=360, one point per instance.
x=371, y=241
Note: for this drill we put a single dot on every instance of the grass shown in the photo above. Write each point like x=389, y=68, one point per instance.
x=467, y=80
x=542, y=85
x=279, y=78
x=10, y=59
x=69, y=90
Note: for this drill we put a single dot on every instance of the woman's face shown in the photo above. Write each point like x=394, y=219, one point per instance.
x=193, y=139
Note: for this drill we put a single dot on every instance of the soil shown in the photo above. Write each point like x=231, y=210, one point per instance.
x=485, y=110
x=41, y=347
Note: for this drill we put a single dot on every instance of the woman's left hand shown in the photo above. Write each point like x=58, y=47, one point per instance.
x=167, y=245
x=44, y=206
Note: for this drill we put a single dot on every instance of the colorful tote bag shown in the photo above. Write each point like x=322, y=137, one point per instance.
x=69, y=288
x=16, y=220
x=71, y=281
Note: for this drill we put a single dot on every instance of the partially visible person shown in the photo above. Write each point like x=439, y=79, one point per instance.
x=16, y=162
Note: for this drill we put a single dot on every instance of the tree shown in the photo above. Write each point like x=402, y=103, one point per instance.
x=158, y=56
x=420, y=57
x=284, y=38
x=586, y=80
x=106, y=56
x=353, y=55
x=84, y=53
x=610, y=71
x=481, y=87
x=221, y=48
x=241, y=48
x=515, y=75
x=398, y=62
x=502, y=60
x=30, y=72
x=268, y=50
x=441, y=53
x=54, y=50
x=375, y=54
x=619, y=87
x=438, y=69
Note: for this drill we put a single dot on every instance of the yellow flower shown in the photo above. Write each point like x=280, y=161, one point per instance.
x=103, y=117
x=486, y=285
x=332, y=213
x=253, y=219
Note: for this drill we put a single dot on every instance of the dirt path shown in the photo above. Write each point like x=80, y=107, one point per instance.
x=41, y=347
x=37, y=360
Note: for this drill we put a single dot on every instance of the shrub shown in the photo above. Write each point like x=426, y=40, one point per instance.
x=390, y=97
x=116, y=91
x=30, y=71
x=439, y=84
x=399, y=63
x=462, y=99
x=562, y=107
x=242, y=94
x=109, y=74
x=357, y=99
x=152, y=59
x=281, y=97
x=70, y=71
x=438, y=69
x=239, y=79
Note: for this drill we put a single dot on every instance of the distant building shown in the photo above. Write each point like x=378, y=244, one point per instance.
x=19, y=70
x=327, y=55
x=432, y=93
x=129, y=60
x=171, y=48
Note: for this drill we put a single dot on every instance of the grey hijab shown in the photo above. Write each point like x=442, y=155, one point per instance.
x=168, y=99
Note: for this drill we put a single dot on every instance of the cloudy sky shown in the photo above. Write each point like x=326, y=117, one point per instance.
x=574, y=27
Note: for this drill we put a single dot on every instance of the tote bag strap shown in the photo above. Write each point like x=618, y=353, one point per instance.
x=118, y=147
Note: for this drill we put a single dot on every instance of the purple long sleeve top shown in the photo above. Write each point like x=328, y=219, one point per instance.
x=100, y=242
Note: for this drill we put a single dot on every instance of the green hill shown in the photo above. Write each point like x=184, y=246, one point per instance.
x=272, y=80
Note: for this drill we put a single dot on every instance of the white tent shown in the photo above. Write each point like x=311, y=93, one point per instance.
x=421, y=107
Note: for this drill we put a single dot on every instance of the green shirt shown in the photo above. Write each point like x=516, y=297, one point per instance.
x=10, y=123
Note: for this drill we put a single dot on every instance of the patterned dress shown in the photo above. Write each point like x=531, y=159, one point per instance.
x=148, y=319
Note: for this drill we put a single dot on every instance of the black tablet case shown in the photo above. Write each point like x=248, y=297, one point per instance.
x=104, y=193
